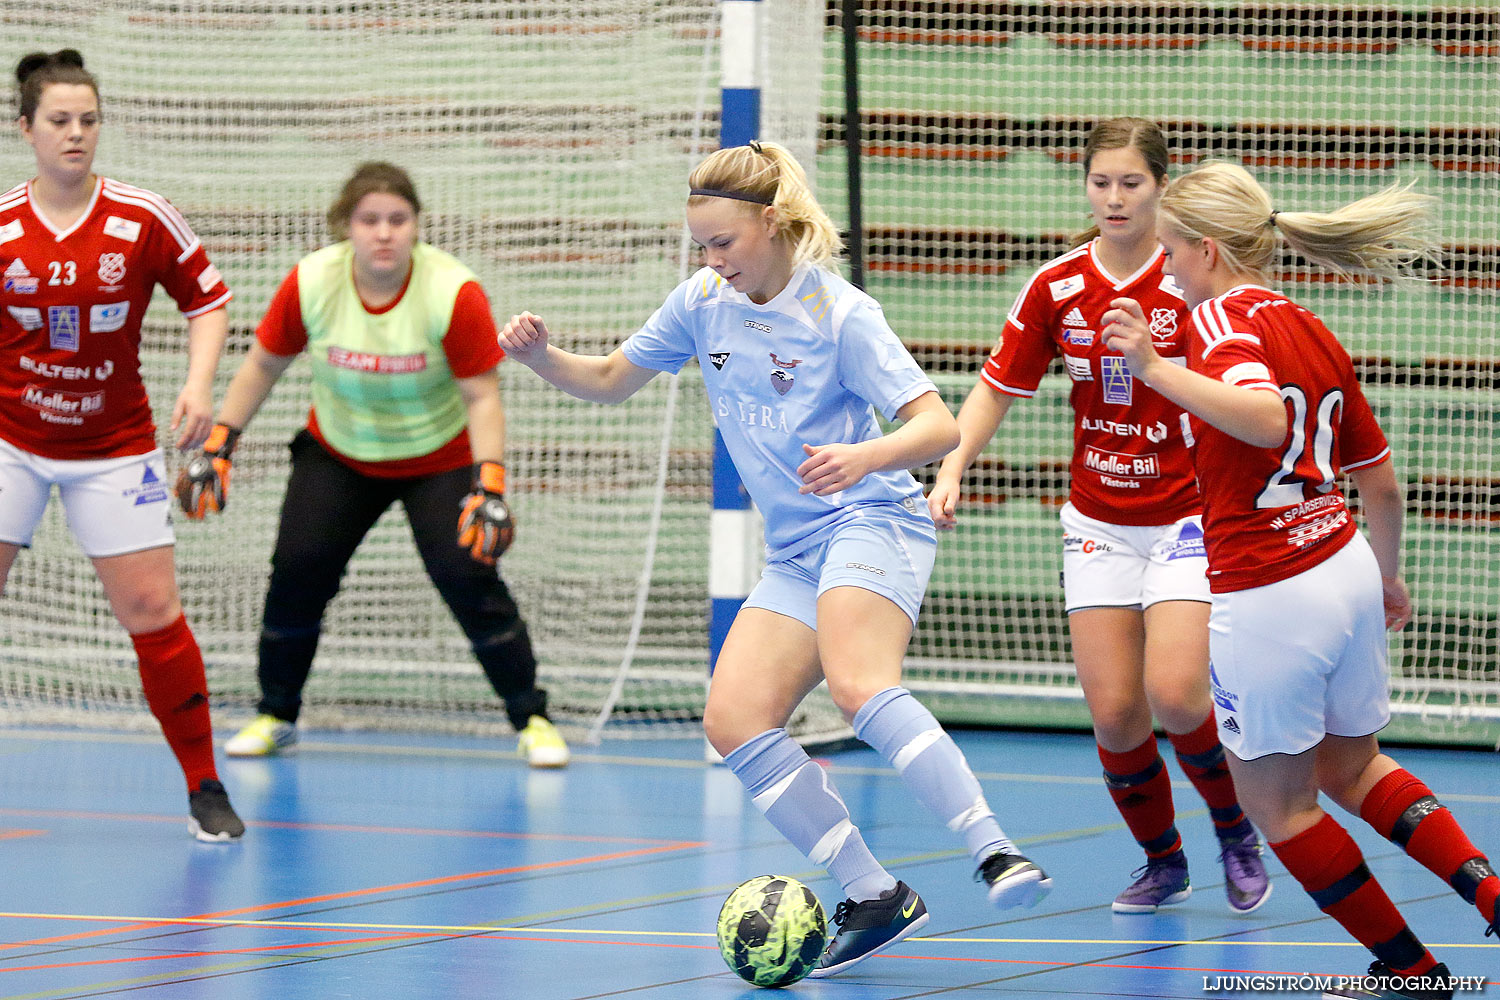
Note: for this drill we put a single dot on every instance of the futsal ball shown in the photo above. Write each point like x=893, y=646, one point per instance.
x=772, y=930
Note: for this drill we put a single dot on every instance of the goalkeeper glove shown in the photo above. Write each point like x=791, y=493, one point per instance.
x=485, y=527
x=203, y=485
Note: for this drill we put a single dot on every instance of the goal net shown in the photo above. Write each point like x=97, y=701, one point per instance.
x=974, y=120
x=550, y=141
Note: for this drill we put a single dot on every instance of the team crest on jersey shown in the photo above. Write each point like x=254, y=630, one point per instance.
x=1163, y=324
x=784, y=364
x=781, y=381
x=718, y=359
x=62, y=327
x=122, y=229
x=12, y=230
x=1115, y=374
x=19, y=280
x=1066, y=288
x=111, y=268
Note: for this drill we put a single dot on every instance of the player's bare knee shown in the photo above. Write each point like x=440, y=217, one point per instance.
x=851, y=693
x=1122, y=723
x=147, y=609
x=1179, y=712
x=726, y=731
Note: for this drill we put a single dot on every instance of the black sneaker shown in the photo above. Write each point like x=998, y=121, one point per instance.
x=210, y=816
x=1380, y=983
x=1013, y=881
x=869, y=927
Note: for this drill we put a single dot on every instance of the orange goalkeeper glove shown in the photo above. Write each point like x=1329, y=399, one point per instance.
x=203, y=485
x=485, y=527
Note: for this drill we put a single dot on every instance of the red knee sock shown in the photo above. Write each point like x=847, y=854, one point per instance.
x=177, y=692
x=1403, y=810
x=1202, y=758
x=1325, y=859
x=1138, y=782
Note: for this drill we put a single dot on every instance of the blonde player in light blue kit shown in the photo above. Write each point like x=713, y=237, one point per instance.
x=795, y=361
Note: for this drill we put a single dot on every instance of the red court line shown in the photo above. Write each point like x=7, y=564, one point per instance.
x=339, y=827
x=409, y=935
x=206, y=954
x=14, y=834
x=354, y=893
x=373, y=939
x=482, y=834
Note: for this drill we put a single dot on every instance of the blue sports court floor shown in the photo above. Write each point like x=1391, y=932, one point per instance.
x=401, y=866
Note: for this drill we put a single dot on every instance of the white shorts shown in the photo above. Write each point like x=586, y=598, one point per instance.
x=113, y=505
x=1131, y=566
x=1301, y=658
x=890, y=555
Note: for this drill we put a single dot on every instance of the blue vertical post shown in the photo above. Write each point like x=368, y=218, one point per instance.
x=733, y=528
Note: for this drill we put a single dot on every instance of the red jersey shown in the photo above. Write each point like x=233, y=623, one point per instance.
x=1271, y=513
x=70, y=332
x=471, y=347
x=1130, y=465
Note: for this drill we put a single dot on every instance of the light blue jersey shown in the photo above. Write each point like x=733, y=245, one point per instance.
x=808, y=367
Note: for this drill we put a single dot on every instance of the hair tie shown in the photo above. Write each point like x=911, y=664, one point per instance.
x=756, y=199
x=1272, y=220
x=755, y=145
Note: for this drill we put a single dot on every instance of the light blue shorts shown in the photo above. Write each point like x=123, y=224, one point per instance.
x=886, y=554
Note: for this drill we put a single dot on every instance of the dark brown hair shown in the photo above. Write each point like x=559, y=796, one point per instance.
x=374, y=177
x=38, y=69
x=1125, y=133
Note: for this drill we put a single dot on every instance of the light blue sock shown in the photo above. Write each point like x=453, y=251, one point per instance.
x=800, y=801
x=934, y=768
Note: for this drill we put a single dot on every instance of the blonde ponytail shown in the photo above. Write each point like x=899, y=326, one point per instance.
x=766, y=173
x=1383, y=234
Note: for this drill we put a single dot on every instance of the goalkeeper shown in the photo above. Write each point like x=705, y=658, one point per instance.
x=406, y=406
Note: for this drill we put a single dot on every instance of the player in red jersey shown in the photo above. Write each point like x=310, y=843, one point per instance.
x=81, y=255
x=1133, y=558
x=1301, y=599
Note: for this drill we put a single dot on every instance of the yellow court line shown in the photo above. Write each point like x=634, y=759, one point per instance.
x=497, y=929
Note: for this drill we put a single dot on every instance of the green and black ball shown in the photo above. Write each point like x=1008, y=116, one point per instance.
x=772, y=930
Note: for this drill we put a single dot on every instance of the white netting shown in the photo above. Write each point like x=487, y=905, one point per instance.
x=550, y=141
x=975, y=114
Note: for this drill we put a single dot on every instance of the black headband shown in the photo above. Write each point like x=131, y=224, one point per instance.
x=736, y=195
